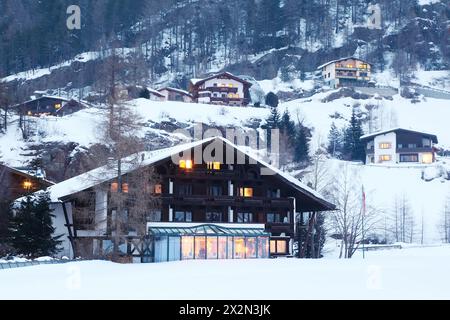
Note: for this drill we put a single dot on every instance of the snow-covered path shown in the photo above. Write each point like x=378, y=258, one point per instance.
x=415, y=273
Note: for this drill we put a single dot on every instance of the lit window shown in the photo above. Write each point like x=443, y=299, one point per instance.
x=30, y=113
x=114, y=187
x=58, y=106
x=27, y=185
x=385, y=145
x=427, y=158
x=158, y=189
x=385, y=158
x=214, y=165
x=246, y=192
x=186, y=164
x=230, y=85
x=278, y=247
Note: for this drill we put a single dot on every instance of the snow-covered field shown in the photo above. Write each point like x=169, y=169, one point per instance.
x=414, y=273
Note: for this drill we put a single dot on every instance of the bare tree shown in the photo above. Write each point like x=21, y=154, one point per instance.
x=350, y=221
x=445, y=223
x=402, y=220
x=4, y=103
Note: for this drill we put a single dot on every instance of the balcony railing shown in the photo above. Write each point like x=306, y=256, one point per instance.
x=205, y=200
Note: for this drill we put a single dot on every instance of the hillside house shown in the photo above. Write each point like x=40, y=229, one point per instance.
x=15, y=182
x=49, y=106
x=400, y=146
x=213, y=209
x=174, y=94
x=222, y=89
x=346, y=72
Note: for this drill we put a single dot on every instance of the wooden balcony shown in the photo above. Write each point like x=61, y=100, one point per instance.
x=205, y=200
x=279, y=228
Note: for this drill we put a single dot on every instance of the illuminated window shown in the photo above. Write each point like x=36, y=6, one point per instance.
x=385, y=145
x=385, y=158
x=27, y=185
x=186, y=164
x=114, y=187
x=187, y=248
x=58, y=106
x=30, y=113
x=158, y=189
x=427, y=158
x=246, y=192
x=239, y=248
x=214, y=165
x=278, y=247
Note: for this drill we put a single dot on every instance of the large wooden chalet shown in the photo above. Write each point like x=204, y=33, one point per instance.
x=231, y=207
x=49, y=106
x=223, y=89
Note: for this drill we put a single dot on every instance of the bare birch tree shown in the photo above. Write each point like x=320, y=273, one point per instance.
x=349, y=220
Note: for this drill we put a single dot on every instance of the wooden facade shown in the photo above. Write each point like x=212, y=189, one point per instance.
x=15, y=183
x=188, y=194
x=222, y=89
x=51, y=106
x=174, y=94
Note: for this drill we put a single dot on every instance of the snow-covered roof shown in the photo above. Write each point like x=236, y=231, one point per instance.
x=184, y=92
x=34, y=98
x=342, y=59
x=197, y=82
x=106, y=173
x=368, y=136
x=155, y=92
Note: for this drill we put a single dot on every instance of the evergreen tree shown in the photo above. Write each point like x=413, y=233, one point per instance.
x=334, y=141
x=301, y=149
x=272, y=123
x=353, y=146
x=272, y=100
x=5, y=215
x=287, y=126
x=31, y=231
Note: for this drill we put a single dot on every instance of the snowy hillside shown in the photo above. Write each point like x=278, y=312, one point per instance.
x=383, y=275
x=384, y=184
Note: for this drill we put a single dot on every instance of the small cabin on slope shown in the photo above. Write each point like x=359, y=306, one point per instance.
x=174, y=94
x=49, y=106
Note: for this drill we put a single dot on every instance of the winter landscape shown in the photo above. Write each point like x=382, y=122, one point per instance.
x=120, y=150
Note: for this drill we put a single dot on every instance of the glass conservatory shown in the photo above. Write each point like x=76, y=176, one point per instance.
x=208, y=242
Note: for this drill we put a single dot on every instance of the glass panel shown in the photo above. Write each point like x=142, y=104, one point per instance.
x=212, y=247
x=200, y=248
x=281, y=247
x=263, y=247
x=187, y=245
x=188, y=216
x=174, y=249
x=251, y=248
x=239, y=248
x=222, y=247
x=273, y=246
x=160, y=249
x=230, y=248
